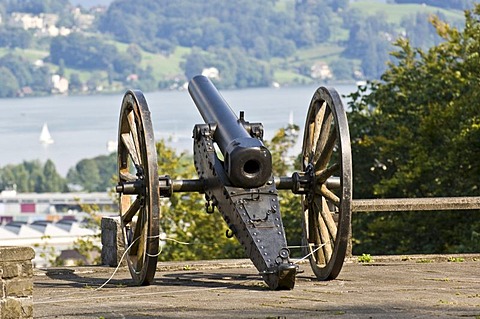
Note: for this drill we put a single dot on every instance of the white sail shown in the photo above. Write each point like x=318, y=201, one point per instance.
x=290, y=118
x=45, y=137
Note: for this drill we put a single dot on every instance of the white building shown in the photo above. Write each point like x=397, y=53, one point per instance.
x=211, y=73
x=50, y=223
x=321, y=70
x=31, y=207
x=44, y=23
x=59, y=84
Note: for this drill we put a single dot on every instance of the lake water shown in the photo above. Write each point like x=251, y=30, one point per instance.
x=82, y=126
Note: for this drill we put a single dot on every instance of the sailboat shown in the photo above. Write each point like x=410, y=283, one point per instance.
x=45, y=137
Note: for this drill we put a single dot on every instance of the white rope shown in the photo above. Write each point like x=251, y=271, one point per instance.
x=311, y=253
x=149, y=255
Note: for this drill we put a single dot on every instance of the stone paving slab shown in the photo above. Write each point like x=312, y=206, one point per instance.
x=388, y=287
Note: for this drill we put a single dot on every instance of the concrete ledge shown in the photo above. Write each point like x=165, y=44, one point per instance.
x=418, y=286
x=16, y=282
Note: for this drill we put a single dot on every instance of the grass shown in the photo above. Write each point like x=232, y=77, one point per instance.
x=394, y=13
x=285, y=76
x=165, y=65
x=162, y=66
x=365, y=259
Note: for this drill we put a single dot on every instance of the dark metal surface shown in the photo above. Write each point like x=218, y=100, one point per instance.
x=327, y=206
x=248, y=163
x=252, y=214
x=138, y=187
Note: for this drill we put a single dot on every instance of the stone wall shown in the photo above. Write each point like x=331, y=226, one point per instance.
x=16, y=275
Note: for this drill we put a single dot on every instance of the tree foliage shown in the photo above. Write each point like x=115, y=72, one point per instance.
x=370, y=41
x=417, y=134
x=32, y=177
x=19, y=73
x=94, y=174
x=192, y=23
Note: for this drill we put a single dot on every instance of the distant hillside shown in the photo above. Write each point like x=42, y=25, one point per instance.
x=160, y=44
x=91, y=3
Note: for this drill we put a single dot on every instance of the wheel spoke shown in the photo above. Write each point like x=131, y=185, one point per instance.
x=129, y=144
x=328, y=194
x=138, y=235
x=327, y=244
x=323, y=124
x=308, y=149
x=133, y=129
x=318, y=122
x=315, y=237
x=326, y=215
x=131, y=211
x=321, y=233
x=128, y=177
x=322, y=157
x=322, y=175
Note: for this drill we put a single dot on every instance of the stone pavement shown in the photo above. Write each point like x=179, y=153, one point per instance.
x=389, y=287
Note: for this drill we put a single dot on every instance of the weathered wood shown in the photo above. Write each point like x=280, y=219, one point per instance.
x=415, y=204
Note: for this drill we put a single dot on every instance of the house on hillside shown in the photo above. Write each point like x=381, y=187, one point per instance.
x=59, y=84
x=211, y=73
x=321, y=70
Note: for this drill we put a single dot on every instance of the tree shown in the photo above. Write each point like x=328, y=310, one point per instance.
x=33, y=176
x=52, y=181
x=19, y=67
x=85, y=173
x=75, y=83
x=370, y=41
x=94, y=174
x=82, y=52
x=418, y=134
x=9, y=87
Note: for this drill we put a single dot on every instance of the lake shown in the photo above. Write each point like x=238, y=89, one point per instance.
x=82, y=126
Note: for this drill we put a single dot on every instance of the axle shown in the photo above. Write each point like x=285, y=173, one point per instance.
x=168, y=186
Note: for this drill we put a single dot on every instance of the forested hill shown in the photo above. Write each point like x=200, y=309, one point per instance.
x=160, y=43
x=352, y=39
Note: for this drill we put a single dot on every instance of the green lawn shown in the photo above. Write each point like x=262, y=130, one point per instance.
x=394, y=13
x=165, y=66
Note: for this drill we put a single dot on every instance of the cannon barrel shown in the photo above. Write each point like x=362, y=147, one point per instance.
x=247, y=162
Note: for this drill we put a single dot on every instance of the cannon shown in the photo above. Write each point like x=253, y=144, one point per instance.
x=235, y=173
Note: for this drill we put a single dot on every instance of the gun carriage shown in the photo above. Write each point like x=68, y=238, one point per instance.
x=238, y=181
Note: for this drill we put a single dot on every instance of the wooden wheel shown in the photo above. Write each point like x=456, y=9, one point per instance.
x=138, y=187
x=327, y=206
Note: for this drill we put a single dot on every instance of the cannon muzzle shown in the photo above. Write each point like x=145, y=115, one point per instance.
x=247, y=162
